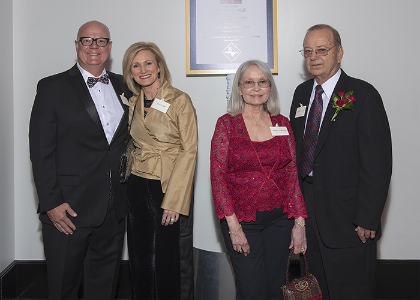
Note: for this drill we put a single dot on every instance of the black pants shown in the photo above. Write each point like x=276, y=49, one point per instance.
x=348, y=273
x=261, y=273
x=160, y=256
x=96, y=250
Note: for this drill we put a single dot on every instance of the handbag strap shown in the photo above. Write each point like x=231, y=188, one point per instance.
x=288, y=265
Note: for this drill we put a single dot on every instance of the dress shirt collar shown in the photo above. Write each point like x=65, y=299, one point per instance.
x=86, y=74
x=329, y=85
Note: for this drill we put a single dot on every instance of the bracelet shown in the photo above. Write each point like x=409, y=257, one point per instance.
x=240, y=226
x=301, y=224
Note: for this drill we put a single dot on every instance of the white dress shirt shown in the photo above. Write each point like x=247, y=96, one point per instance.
x=106, y=102
x=328, y=88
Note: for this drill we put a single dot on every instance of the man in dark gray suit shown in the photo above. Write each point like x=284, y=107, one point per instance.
x=343, y=150
x=77, y=131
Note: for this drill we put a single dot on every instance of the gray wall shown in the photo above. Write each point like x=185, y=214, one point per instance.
x=380, y=40
x=7, y=219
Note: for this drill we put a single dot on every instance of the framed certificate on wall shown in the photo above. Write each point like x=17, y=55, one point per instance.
x=222, y=34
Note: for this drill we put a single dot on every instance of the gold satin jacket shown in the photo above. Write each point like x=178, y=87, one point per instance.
x=166, y=145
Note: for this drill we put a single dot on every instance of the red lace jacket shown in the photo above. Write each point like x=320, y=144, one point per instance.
x=248, y=176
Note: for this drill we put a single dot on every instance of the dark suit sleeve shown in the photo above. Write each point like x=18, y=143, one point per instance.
x=42, y=143
x=375, y=166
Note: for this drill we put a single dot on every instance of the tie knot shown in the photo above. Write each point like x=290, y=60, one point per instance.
x=318, y=89
x=91, y=81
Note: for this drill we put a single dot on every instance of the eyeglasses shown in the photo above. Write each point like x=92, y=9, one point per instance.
x=87, y=41
x=250, y=84
x=320, y=52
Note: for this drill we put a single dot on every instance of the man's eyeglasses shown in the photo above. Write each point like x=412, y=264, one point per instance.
x=319, y=52
x=250, y=84
x=87, y=41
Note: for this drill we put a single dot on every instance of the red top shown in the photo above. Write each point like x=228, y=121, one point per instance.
x=248, y=176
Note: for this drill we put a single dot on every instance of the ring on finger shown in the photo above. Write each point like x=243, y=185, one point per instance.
x=172, y=220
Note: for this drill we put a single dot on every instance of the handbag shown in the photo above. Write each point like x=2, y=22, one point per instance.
x=126, y=159
x=303, y=288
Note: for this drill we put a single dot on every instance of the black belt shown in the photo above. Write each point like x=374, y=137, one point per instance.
x=308, y=179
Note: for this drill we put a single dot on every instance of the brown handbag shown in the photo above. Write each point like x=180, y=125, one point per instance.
x=303, y=288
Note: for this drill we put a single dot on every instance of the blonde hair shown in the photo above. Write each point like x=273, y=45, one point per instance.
x=129, y=55
x=236, y=104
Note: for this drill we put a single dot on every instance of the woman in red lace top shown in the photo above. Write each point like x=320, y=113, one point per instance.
x=255, y=185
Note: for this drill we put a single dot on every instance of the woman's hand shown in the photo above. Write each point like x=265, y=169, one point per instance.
x=169, y=217
x=298, y=242
x=239, y=241
x=237, y=236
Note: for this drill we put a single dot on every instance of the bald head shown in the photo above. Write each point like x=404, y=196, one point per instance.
x=93, y=57
x=94, y=24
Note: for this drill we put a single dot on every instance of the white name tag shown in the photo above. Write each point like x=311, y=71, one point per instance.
x=300, y=111
x=160, y=105
x=279, y=130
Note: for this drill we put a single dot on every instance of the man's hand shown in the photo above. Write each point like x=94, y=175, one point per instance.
x=58, y=216
x=365, y=233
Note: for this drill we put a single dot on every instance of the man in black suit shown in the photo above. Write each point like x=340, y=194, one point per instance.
x=344, y=162
x=77, y=131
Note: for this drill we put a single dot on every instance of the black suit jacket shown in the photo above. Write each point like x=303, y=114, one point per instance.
x=352, y=163
x=71, y=157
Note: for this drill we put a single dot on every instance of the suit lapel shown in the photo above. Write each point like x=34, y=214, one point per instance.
x=79, y=86
x=326, y=122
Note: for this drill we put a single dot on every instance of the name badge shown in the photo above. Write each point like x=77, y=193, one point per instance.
x=160, y=105
x=279, y=130
x=300, y=111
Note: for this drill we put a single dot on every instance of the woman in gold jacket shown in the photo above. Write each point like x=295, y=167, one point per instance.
x=164, y=130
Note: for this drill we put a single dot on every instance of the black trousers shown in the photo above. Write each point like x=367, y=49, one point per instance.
x=261, y=273
x=347, y=273
x=160, y=256
x=96, y=250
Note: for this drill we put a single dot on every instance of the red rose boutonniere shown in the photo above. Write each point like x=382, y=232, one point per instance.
x=342, y=101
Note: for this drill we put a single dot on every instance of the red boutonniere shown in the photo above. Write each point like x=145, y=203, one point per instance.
x=342, y=101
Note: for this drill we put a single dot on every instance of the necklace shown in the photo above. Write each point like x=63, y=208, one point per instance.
x=256, y=122
x=148, y=103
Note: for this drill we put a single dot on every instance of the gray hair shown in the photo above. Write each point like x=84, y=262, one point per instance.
x=237, y=104
x=336, y=35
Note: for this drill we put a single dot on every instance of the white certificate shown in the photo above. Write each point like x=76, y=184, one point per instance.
x=222, y=34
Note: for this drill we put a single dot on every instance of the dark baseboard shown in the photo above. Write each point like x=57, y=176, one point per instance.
x=24, y=279
x=397, y=279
